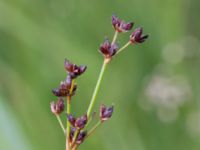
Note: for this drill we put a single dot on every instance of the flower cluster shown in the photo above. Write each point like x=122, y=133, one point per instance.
x=75, y=131
x=109, y=49
x=67, y=88
x=58, y=107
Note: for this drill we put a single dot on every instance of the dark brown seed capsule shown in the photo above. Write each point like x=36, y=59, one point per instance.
x=105, y=112
x=137, y=37
x=121, y=26
x=57, y=107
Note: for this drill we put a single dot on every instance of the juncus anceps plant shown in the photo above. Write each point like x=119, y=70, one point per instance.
x=74, y=130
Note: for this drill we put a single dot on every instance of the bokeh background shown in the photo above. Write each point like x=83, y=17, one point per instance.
x=155, y=86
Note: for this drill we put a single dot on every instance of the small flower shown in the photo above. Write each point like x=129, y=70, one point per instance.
x=137, y=37
x=72, y=131
x=121, y=26
x=81, y=122
x=105, y=112
x=58, y=107
x=81, y=137
x=71, y=119
x=74, y=70
x=78, y=123
x=107, y=49
x=64, y=88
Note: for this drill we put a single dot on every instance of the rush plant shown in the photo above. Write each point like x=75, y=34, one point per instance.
x=75, y=129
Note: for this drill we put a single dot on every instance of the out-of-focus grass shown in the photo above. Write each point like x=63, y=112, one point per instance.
x=36, y=36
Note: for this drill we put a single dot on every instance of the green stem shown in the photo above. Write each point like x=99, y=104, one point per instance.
x=68, y=124
x=93, y=129
x=94, y=96
x=60, y=122
x=75, y=137
x=125, y=46
x=115, y=37
x=68, y=112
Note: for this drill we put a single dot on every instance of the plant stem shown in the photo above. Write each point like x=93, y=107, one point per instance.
x=75, y=137
x=93, y=129
x=68, y=124
x=125, y=46
x=115, y=37
x=60, y=122
x=68, y=112
x=106, y=61
x=75, y=147
x=94, y=96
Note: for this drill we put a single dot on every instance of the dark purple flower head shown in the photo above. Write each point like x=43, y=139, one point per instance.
x=58, y=107
x=73, y=70
x=137, y=37
x=64, y=88
x=105, y=112
x=78, y=123
x=121, y=26
x=107, y=49
x=71, y=119
x=72, y=131
x=81, y=122
x=81, y=135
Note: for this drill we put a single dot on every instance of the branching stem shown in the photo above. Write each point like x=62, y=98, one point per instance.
x=60, y=122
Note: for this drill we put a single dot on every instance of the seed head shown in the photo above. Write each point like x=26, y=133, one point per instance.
x=73, y=70
x=78, y=123
x=57, y=107
x=71, y=119
x=121, y=26
x=65, y=88
x=137, y=37
x=81, y=135
x=107, y=49
x=81, y=122
x=105, y=112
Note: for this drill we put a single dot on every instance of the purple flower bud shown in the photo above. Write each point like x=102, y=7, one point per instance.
x=73, y=70
x=58, y=107
x=121, y=26
x=71, y=119
x=107, y=49
x=78, y=123
x=72, y=131
x=105, y=112
x=81, y=122
x=64, y=88
x=81, y=137
x=137, y=37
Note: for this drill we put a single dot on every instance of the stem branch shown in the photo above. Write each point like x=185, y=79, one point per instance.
x=68, y=112
x=115, y=37
x=125, y=46
x=94, y=96
x=60, y=122
x=93, y=129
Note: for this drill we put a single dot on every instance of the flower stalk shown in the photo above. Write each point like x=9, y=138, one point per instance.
x=60, y=122
x=75, y=127
x=93, y=129
x=94, y=96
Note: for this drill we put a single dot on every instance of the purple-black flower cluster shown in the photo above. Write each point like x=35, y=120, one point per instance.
x=75, y=131
x=108, y=49
x=66, y=88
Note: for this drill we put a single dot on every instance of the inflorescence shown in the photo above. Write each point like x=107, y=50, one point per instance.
x=75, y=131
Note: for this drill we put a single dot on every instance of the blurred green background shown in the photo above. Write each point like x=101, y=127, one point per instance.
x=155, y=86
